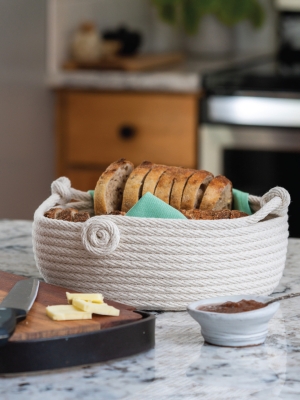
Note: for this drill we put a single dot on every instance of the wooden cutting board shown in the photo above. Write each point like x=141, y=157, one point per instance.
x=139, y=62
x=38, y=325
x=40, y=344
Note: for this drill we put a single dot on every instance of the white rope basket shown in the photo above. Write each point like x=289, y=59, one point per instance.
x=162, y=264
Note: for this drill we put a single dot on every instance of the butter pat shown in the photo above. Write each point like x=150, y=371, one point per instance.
x=94, y=297
x=102, y=309
x=66, y=313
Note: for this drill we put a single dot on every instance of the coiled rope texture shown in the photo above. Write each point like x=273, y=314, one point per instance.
x=162, y=264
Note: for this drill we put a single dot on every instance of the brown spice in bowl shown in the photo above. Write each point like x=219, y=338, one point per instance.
x=231, y=307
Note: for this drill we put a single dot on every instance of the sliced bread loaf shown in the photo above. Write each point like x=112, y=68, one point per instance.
x=164, y=186
x=179, y=184
x=194, y=189
x=218, y=194
x=110, y=186
x=134, y=185
x=152, y=178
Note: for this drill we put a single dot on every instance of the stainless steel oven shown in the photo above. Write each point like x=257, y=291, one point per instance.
x=250, y=130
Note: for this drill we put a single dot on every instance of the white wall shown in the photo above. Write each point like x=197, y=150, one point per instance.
x=26, y=118
x=249, y=39
x=66, y=15
x=26, y=104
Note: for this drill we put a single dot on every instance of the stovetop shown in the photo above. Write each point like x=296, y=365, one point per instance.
x=264, y=76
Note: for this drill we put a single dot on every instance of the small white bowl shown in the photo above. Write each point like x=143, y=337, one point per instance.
x=247, y=328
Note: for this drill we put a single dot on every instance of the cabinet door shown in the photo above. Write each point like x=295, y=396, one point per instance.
x=100, y=128
x=83, y=179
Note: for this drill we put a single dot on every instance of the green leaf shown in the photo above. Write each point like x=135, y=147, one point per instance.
x=257, y=16
x=232, y=12
x=188, y=13
x=191, y=15
x=167, y=10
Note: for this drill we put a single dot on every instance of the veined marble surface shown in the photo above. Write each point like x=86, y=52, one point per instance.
x=181, y=366
x=185, y=77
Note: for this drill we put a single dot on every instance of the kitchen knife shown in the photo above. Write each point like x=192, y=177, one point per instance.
x=16, y=305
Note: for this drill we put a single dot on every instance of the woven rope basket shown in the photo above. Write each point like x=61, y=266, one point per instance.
x=162, y=264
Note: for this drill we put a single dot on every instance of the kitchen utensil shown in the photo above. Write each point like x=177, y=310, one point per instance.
x=234, y=330
x=46, y=344
x=129, y=40
x=86, y=46
x=285, y=297
x=15, y=306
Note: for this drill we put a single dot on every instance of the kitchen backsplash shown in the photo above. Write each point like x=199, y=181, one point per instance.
x=64, y=16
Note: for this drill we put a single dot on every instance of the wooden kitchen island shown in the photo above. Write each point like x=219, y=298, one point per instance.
x=181, y=366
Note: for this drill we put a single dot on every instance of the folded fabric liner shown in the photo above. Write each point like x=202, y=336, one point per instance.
x=240, y=201
x=150, y=206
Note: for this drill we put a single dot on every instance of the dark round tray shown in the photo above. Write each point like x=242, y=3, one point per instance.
x=88, y=348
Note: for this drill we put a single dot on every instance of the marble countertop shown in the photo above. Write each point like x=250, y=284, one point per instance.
x=185, y=77
x=181, y=366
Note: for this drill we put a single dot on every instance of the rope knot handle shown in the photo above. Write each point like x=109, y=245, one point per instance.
x=280, y=193
x=275, y=201
x=61, y=187
x=100, y=236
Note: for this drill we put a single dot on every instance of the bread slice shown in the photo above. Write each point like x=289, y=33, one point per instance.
x=179, y=184
x=67, y=214
x=81, y=216
x=134, y=185
x=199, y=214
x=152, y=178
x=110, y=186
x=237, y=214
x=164, y=186
x=53, y=213
x=194, y=189
x=213, y=215
x=218, y=194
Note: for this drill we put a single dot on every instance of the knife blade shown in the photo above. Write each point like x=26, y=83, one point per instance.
x=15, y=306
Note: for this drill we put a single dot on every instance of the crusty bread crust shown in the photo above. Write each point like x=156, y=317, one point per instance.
x=152, y=178
x=81, y=217
x=110, y=186
x=237, y=214
x=67, y=214
x=53, y=213
x=117, y=213
x=179, y=184
x=213, y=215
x=134, y=185
x=218, y=194
x=164, y=186
x=194, y=189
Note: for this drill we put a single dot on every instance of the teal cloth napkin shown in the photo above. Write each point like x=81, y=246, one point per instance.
x=240, y=201
x=91, y=192
x=150, y=206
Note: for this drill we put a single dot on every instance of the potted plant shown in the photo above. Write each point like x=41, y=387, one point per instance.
x=188, y=13
x=201, y=20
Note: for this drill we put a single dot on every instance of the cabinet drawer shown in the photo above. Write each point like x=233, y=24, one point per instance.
x=84, y=179
x=103, y=127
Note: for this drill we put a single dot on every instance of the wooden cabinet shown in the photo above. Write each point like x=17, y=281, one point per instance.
x=97, y=128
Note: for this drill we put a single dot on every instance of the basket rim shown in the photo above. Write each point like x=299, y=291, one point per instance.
x=123, y=220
